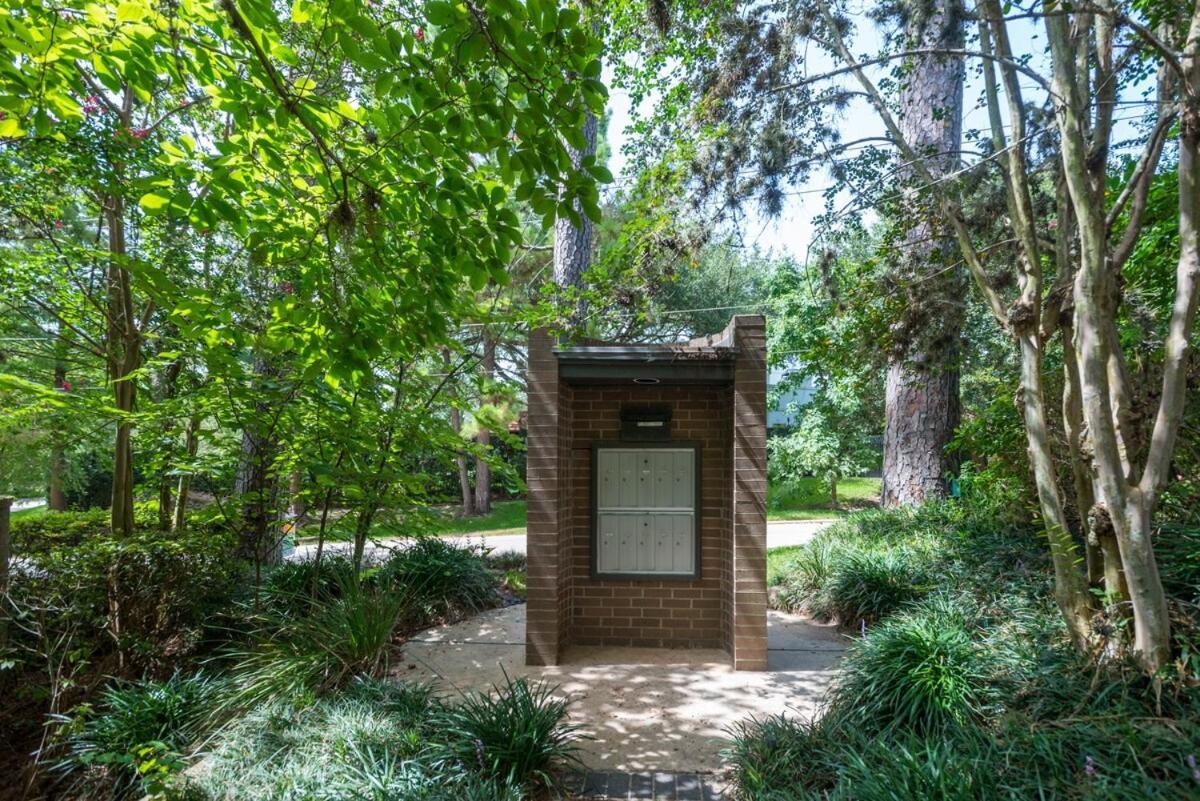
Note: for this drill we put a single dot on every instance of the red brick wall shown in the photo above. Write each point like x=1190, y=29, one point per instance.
x=544, y=612
x=658, y=613
x=726, y=606
x=749, y=567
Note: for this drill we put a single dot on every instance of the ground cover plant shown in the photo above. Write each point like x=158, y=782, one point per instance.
x=195, y=645
x=961, y=683
x=371, y=738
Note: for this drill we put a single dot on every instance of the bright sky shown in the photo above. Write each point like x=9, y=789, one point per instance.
x=792, y=233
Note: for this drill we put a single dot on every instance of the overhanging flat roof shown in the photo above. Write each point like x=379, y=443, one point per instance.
x=688, y=363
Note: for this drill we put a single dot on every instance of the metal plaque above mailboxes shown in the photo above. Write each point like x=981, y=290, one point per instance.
x=646, y=423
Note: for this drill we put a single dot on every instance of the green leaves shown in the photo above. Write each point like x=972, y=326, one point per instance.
x=312, y=192
x=153, y=201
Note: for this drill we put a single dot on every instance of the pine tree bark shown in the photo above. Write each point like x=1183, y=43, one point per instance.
x=922, y=397
x=573, y=243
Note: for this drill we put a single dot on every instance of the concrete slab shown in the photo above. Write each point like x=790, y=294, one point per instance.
x=645, y=710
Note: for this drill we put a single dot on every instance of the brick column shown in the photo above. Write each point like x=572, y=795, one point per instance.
x=749, y=629
x=542, y=481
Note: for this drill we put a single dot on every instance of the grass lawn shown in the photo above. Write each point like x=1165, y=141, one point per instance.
x=507, y=517
x=777, y=562
x=26, y=514
x=806, y=499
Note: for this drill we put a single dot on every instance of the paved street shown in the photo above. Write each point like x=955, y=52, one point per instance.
x=779, y=534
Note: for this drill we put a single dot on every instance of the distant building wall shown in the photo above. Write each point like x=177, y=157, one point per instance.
x=784, y=409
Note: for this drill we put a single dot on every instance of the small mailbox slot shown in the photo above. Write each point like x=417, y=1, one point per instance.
x=646, y=424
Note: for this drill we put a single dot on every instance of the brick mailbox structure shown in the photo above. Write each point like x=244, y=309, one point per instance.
x=647, y=476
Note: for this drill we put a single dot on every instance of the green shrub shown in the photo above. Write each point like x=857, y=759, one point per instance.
x=514, y=736
x=385, y=740
x=1177, y=549
x=505, y=560
x=851, y=582
x=1113, y=756
x=918, y=672
x=444, y=580
x=976, y=693
x=149, y=596
x=135, y=736
x=807, y=570
x=38, y=533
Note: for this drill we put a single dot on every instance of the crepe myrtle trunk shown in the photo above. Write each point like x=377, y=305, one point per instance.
x=1124, y=501
x=922, y=398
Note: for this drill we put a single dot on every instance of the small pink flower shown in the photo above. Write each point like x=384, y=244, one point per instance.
x=1089, y=766
x=139, y=133
x=1052, y=225
x=66, y=386
x=419, y=34
x=92, y=105
x=58, y=225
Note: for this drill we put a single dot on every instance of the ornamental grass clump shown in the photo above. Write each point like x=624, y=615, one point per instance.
x=444, y=580
x=920, y=672
x=515, y=736
x=777, y=758
x=289, y=587
x=296, y=656
x=853, y=584
x=364, y=741
x=864, y=587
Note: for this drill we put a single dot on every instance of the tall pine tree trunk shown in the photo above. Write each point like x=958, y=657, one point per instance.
x=573, y=243
x=922, y=398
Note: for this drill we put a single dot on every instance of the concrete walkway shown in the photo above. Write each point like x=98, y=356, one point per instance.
x=643, y=709
x=779, y=534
